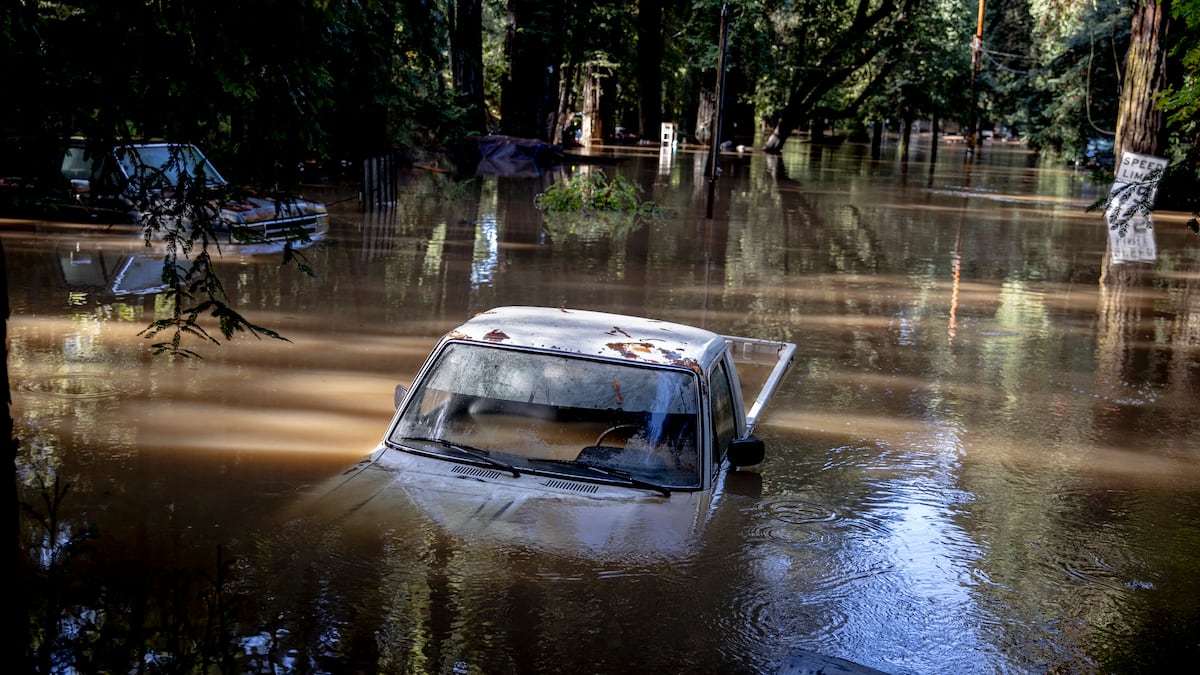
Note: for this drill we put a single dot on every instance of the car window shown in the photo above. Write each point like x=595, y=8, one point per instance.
x=539, y=378
x=172, y=161
x=75, y=167
x=724, y=423
x=539, y=406
x=100, y=172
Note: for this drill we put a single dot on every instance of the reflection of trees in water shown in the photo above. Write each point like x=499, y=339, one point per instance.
x=1148, y=324
x=406, y=253
x=1144, y=408
x=1084, y=495
x=1146, y=337
x=93, y=609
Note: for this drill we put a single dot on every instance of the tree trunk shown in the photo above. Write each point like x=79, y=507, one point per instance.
x=608, y=105
x=784, y=126
x=649, y=67
x=466, y=61
x=875, y=28
x=933, y=140
x=737, y=117
x=533, y=48
x=705, y=111
x=562, y=132
x=1141, y=127
x=817, y=128
x=593, y=126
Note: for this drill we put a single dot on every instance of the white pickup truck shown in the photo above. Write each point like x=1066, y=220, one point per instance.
x=573, y=430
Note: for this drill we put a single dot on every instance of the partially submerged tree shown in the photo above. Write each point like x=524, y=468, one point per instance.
x=1159, y=98
x=1141, y=122
x=466, y=62
x=823, y=47
x=924, y=78
x=649, y=66
x=533, y=45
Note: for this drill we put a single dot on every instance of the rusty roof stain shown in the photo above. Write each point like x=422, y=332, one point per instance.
x=643, y=340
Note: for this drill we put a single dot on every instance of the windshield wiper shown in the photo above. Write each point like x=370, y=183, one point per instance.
x=475, y=453
x=614, y=473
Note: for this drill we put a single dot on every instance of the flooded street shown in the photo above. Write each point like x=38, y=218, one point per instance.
x=985, y=460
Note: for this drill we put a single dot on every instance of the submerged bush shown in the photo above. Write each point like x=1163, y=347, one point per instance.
x=595, y=192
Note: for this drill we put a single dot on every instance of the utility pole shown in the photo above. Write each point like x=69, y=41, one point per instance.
x=714, y=151
x=976, y=58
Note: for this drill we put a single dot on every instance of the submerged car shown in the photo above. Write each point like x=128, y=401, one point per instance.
x=1099, y=153
x=147, y=184
x=570, y=430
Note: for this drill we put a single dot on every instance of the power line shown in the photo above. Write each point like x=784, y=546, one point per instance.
x=1001, y=66
x=1010, y=54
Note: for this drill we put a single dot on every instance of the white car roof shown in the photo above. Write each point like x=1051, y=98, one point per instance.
x=614, y=336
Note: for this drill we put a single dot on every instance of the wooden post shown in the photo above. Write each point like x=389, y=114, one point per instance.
x=379, y=180
x=714, y=152
x=976, y=57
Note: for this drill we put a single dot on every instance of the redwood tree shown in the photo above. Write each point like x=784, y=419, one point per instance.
x=649, y=67
x=1141, y=124
x=466, y=61
x=533, y=47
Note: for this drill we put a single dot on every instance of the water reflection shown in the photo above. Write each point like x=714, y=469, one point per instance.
x=985, y=461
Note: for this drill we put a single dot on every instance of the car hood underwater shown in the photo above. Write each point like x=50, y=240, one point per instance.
x=542, y=513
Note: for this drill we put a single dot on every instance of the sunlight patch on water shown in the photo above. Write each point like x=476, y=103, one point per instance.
x=219, y=427
x=1082, y=458
x=845, y=426
x=486, y=256
x=1008, y=197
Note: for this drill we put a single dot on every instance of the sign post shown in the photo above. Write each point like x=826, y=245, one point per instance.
x=1130, y=203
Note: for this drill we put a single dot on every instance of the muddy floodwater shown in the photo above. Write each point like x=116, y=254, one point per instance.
x=986, y=459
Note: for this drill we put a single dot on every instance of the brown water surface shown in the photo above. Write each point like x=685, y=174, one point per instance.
x=986, y=460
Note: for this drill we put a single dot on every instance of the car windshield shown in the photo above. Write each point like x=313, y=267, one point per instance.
x=552, y=413
x=173, y=161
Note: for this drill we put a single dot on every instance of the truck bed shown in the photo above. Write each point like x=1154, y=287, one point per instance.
x=761, y=366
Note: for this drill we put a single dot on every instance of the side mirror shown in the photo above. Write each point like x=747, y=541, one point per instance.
x=746, y=451
x=81, y=186
x=398, y=395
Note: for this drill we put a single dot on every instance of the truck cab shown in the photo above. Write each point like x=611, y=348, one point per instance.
x=524, y=419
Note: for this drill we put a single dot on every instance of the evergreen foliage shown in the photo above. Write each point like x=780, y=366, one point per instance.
x=594, y=192
x=1181, y=102
x=265, y=84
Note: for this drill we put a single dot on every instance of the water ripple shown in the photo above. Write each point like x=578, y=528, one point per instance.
x=74, y=386
x=795, y=523
x=797, y=512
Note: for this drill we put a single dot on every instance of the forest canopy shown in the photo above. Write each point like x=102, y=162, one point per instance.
x=266, y=84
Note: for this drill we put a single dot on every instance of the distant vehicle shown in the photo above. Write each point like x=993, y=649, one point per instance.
x=135, y=183
x=1099, y=153
x=622, y=136
x=572, y=430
